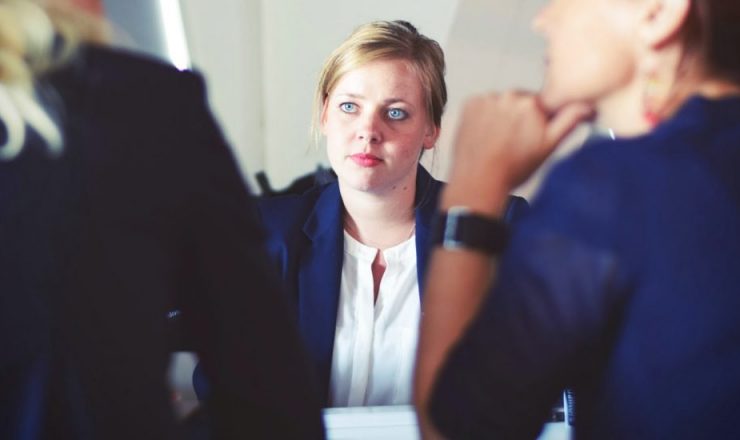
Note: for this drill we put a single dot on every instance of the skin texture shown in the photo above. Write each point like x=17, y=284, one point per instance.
x=377, y=110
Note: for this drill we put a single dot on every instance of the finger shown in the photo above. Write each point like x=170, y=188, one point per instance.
x=564, y=121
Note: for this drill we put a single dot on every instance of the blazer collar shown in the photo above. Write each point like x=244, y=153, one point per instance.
x=427, y=193
x=326, y=216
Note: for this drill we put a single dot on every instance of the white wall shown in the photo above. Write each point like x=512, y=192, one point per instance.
x=225, y=40
x=137, y=25
x=491, y=47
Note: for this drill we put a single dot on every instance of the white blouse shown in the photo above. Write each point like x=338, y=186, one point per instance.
x=375, y=342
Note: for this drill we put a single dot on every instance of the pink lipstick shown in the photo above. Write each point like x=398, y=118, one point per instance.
x=365, y=160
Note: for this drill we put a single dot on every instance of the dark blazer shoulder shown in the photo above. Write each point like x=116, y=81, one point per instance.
x=97, y=75
x=285, y=214
x=129, y=66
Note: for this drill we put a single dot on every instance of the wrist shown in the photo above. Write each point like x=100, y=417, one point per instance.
x=460, y=228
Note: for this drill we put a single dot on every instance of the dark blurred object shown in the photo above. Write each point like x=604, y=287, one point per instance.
x=145, y=209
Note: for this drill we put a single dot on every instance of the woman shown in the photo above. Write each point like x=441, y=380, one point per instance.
x=351, y=253
x=622, y=282
x=118, y=198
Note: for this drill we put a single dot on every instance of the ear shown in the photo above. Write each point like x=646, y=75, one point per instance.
x=662, y=20
x=431, y=136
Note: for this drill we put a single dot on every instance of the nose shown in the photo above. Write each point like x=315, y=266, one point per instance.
x=369, y=128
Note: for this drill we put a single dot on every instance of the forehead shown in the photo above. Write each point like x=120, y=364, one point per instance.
x=381, y=78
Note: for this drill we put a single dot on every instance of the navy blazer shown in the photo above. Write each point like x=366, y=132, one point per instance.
x=623, y=284
x=306, y=241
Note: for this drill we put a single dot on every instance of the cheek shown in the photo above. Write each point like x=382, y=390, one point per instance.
x=336, y=133
x=334, y=151
x=587, y=69
x=411, y=149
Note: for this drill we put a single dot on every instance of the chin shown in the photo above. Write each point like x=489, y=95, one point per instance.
x=358, y=183
x=553, y=99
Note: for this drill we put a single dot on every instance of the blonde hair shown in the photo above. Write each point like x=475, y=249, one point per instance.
x=383, y=40
x=33, y=40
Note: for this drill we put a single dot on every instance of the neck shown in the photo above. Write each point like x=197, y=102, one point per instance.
x=622, y=112
x=717, y=89
x=379, y=220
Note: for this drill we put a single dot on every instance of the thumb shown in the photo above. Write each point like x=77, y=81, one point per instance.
x=564, y=121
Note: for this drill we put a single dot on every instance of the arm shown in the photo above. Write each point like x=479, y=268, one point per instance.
x=501, y=141
x=544, y=327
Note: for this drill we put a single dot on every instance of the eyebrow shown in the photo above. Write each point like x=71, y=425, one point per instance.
x=385, y=101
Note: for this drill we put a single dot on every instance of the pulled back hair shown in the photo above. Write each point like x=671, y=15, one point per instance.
x=33, y=40
x=386, y=40
x=712, y=32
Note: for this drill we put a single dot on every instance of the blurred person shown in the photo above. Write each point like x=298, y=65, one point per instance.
x=622, y=282
x=119, y=198
x=351, y=253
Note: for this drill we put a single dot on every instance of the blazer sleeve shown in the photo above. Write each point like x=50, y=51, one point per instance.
x=538, y=331
x=516, y=208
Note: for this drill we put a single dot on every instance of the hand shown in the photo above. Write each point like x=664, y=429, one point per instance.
x=501, y=140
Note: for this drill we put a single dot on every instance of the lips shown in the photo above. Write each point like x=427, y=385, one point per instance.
x=365, y=160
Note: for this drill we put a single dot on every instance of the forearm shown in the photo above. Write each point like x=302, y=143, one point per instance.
x=457, y=282
x=501, y=140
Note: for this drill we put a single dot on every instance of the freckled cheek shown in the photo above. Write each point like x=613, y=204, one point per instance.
x=409, y=150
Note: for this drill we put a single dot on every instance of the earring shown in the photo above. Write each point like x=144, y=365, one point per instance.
x=653, y=100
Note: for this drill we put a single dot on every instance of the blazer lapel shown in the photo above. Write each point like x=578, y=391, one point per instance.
x=319, y=279
x=427, y=192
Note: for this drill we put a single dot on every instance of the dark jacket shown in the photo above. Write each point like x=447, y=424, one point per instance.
x=305, y=240
x=145, y=211
x=621, y=283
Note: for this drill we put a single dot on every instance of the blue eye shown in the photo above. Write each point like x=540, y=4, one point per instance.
x=397, y=114
x=348, y=107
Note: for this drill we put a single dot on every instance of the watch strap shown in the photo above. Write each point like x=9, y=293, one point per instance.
x=459, y=228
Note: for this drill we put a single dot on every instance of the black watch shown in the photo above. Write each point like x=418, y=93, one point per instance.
x=459, y=228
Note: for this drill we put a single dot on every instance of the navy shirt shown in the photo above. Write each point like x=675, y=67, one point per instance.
x=622, y=283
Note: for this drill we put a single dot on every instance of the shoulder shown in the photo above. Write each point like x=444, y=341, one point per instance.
x=101, y=74
x=286, y=215
x=129, y=66
x=586, y=196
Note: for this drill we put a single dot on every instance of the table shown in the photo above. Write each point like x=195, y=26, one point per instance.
x=398, y=423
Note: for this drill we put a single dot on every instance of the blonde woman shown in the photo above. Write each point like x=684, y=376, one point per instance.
x=352, y=253
x=118, y=198
x=623, y=281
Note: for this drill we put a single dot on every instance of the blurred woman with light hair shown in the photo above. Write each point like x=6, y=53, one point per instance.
x=119, y=199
